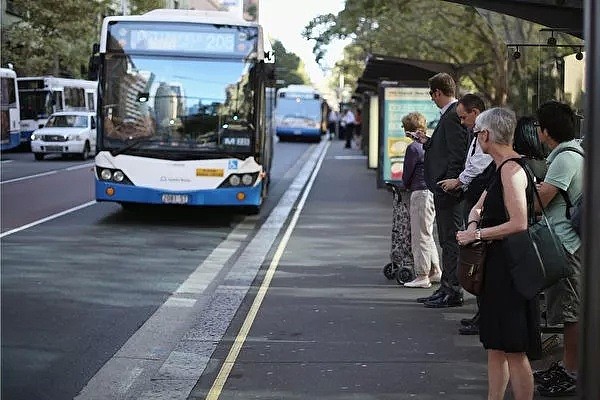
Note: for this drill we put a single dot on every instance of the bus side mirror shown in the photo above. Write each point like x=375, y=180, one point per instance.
x=95, y=48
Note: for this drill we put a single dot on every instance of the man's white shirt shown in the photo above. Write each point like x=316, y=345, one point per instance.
x=477, y=161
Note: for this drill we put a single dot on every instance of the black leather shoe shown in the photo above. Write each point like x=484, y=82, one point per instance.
x=445, y=301
x=470, y=321
x=437, y=294
x=472, y=329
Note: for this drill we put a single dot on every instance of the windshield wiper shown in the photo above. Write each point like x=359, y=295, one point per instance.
x=133, y=144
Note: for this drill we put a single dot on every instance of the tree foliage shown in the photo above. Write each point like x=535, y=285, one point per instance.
x=288, y=66
x=56, y=37
x=437, y=31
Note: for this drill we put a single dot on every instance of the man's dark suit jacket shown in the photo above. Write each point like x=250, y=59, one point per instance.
x=445, y=152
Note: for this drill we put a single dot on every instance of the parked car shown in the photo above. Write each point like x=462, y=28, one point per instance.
x=66, y=132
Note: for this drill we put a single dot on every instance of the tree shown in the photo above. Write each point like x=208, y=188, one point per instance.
x=56, y=37
x=289, y=68
x=53, y=37
x=438, y=31
x=143, y=6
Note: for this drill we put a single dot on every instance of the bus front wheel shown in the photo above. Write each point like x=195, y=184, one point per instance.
x=38, y=156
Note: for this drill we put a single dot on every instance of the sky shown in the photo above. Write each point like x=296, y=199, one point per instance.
x=285, y=20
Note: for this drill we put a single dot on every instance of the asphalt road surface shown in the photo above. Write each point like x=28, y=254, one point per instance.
x=79, y=278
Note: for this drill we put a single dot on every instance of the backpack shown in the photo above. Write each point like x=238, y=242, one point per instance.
x=574, y=209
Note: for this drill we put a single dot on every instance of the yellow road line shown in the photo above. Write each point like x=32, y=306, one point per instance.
x=219, y=383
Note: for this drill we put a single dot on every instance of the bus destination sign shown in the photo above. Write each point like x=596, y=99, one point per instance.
x=181, y=38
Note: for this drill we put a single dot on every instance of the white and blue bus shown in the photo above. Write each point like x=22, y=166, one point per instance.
x=299, y=113
x=9, y=110
x=182, y=110
x=41, y=96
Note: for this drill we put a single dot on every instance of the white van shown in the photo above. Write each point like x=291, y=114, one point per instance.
x=66, y=132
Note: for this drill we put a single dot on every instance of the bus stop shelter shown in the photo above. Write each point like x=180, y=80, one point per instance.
x=382, y=69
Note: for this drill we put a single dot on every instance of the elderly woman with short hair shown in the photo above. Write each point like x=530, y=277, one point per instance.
x=509, y=328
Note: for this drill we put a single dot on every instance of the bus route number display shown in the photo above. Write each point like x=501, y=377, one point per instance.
x=202, y=42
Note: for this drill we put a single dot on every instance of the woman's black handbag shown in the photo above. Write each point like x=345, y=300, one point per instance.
x=471, y=261
x=536, y=257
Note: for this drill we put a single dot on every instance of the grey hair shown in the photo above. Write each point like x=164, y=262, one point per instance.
x=500, y=123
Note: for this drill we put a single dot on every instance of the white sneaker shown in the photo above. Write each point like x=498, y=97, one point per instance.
x=419, y=282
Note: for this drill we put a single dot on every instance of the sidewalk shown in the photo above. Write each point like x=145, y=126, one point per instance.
x=331, y=326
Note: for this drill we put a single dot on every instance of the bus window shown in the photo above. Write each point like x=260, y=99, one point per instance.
x=74, y=97
x=90, y=101
x=57, y=103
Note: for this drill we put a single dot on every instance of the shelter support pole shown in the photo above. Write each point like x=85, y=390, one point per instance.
x=589, y=360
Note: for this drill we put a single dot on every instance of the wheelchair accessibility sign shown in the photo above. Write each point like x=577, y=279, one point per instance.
x=233, y=164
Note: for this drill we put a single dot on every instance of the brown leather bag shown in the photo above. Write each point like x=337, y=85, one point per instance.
x=471, y=259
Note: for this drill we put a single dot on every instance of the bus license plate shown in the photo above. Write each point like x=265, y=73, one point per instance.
x=175, y=198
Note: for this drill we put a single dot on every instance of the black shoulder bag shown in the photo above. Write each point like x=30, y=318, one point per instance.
x=536, y=257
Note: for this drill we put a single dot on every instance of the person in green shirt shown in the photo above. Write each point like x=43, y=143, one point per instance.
x=556, y=129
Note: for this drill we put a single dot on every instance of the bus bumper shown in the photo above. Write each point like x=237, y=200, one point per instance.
x=26, y=136
x=240, y=196
x=298, y=132
x=13, y=141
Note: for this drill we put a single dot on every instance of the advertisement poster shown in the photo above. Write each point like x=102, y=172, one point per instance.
x=398, y=102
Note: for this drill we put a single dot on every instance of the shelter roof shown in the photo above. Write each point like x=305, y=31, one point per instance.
x=405, y=70
x=565, y=15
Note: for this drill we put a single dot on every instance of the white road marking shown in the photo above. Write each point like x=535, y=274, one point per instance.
x=170, y=346
x=221, y=379
x=49, y=218
x=350, y=157
x=24, y=178
x=6, y=161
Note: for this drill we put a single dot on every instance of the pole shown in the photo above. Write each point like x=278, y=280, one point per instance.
x=589, y=344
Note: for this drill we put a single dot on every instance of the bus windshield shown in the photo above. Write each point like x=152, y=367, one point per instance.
x=35, y=104
x=177, y=104
x=291, y=109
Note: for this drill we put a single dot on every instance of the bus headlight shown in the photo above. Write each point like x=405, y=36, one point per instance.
x=247, y=179
x=114, y=175
x=234, y=180
x=118, y=176
x=73, y=137
x=106, y=174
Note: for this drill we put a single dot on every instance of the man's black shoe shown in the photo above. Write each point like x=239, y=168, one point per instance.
x=562, y=384
x=437, y=294
x=545, y=376
x=445, y=301
x=470, y=321
x=472, y=329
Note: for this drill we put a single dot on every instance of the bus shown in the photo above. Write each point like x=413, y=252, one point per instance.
x=300, y=112
x=182, y=110
x=40, y=96
x=9, y=110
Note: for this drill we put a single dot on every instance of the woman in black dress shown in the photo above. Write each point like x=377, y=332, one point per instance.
x=508, y=326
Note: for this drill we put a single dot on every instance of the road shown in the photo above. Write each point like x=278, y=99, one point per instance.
x=80, y=278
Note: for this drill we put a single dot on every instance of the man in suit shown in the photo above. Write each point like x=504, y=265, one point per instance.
x=445, y=153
